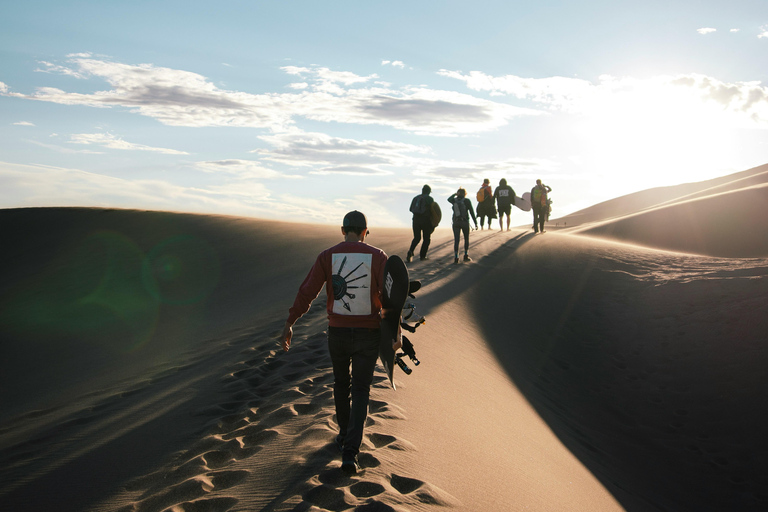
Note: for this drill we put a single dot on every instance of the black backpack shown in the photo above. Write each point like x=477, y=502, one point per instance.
x=419, y=205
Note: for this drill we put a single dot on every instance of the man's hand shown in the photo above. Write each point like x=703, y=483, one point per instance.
x=285, y=339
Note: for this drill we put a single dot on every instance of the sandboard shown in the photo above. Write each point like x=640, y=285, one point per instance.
x=393, y=296
x=435, y=214
x=524, y=203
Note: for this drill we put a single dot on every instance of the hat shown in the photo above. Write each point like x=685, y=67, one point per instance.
x=426, y=189
x=355, y=219
x=486, y=180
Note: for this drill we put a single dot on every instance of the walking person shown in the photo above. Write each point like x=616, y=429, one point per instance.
x=539, y=205
x=353, y=325
x=421, y=207
x=462, y=208
x=485, y=203
x=505, y=198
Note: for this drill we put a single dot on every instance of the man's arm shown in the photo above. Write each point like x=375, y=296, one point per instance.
x=471, y=211
x=308, y=292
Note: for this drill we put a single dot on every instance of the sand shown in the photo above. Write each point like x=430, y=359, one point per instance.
x=616, y=363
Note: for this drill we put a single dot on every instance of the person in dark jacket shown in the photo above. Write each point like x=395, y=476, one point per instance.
x=421, y=207
x=486, y=206
x=539, y=205
x=505, y=198
x=462, y=208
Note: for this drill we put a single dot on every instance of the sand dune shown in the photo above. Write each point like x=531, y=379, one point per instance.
x=725, y=217
x=564, y=371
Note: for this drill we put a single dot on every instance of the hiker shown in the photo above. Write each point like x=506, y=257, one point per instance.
x=539, y=205
x=485, y=203
x=505, y=198
x=421, y=207
x=462, y=208
x=353, y=325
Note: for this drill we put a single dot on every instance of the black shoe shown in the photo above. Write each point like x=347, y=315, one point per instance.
x=467, y=258
x=456, y=261
x=340, y=442
x=349, y=464
x=423, y=258
x=409, y=257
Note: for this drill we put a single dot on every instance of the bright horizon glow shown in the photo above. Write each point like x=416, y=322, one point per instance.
x=305, y=112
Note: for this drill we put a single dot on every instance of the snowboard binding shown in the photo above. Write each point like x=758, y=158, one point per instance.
x=408, y=312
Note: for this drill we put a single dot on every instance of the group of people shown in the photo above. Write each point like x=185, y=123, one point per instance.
x=354, y=319
x=488, y=201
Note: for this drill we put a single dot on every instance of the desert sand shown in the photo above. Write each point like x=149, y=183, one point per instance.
x=616, y=362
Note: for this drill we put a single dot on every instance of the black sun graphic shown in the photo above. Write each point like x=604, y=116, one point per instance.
x=341, y=285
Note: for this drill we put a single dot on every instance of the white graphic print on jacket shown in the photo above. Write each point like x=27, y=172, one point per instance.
x=352, y=284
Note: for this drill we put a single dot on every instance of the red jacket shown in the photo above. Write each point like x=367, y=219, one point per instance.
x=353, y=273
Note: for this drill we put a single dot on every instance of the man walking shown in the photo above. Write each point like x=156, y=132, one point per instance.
x=352, y=272
x=539, y=205
x=505, y=198
x=421, y=207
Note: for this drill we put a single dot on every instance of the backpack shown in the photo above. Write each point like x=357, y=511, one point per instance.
x=539, y=196
x=481, y=195
x=460, y=210
x=419, y=205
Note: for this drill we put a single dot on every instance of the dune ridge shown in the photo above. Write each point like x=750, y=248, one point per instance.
x=574, y=370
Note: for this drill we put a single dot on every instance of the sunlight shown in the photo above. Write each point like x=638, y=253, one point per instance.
x=651, y=133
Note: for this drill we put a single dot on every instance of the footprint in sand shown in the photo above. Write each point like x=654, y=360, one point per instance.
x=327, y=498
x=366, y=489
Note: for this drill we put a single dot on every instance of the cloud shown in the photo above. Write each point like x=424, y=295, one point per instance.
x=181, y=98
x=112, y=142
x=763, y=33
x=24, y=123
x=324, y=154
x=48, y=67
x=61, y=149
x=393, y=63
x=743, y=103
x=706, y=30
x=39, y=185
x=735, y=30
x=243, y=168
x=3, y=88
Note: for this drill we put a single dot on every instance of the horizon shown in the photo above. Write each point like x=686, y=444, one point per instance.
x=303, y=112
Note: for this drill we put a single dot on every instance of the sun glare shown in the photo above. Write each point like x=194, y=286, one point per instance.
x=654, y=134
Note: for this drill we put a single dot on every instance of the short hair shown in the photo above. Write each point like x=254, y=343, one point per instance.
x=353, y=229
x=503, y=181
x=461, y=192
x=426, y=189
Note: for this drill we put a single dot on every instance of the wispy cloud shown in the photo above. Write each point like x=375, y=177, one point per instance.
x=243, y=168
x=393, y=63
x=735, y=30
x=706, y=30
x=324, y=154
x=65, y=150
x=744, y=102
x=40, y=185
x=24, y=123
x=112, y=142
x=181, y=98
x=763, y=32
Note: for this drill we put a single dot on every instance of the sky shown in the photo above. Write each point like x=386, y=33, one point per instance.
x=303, y=110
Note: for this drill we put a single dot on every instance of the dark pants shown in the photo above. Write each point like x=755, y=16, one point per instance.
x=539, y=215
x=358, y=348
x=421, y=226
x=458, y=228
